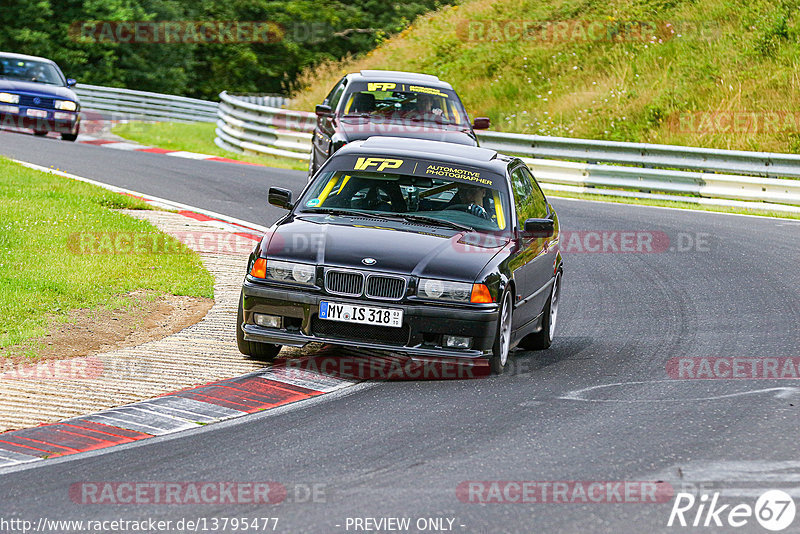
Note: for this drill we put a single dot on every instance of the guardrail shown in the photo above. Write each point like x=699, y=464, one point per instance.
x=767, y=164
x=647, y=167
x=145, y=105
x=266, y=99
x=244, y=126
x=602, y=167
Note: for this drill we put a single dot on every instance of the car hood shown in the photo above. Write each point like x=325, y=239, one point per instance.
x=38, y=89
x=357, y=129
x=395, y=251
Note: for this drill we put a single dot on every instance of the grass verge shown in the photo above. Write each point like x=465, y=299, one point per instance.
x=194, y=137
x=43, y=274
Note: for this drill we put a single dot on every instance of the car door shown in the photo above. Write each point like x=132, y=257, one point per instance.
x=524, y=253
x=326, y=126
x=541, y=265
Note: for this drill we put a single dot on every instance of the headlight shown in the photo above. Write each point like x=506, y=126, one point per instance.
x=287, y=271
x=9, y=98
x=444, y=290
x=65, y=105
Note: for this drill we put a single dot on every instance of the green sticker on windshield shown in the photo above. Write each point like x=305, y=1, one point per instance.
x=313, y=202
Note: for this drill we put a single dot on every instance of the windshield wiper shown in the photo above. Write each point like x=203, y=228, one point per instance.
x=430, y=120
x=357, y=213
x=438, y=222
x=391, y=217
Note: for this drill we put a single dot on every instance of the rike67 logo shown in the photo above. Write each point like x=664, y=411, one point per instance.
x=774, y=510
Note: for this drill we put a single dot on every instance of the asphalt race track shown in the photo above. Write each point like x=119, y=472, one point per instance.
x=401, y=449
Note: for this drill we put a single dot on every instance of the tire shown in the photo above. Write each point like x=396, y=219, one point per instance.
x=40, y=133
x=501, y=348
x=264, y=352
x=71, y=137
x=544, y=338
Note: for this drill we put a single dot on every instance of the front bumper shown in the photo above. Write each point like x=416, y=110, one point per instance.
x=16, y=116
x=421, y=333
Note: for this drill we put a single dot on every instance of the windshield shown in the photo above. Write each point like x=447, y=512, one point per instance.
x=29, y=71
x=456, y=203
x=398, y=101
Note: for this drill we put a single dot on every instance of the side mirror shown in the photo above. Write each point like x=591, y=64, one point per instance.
x=539, y=227
x=481, y=123
x=280, y=197
x=71, y=82
x=323, y=110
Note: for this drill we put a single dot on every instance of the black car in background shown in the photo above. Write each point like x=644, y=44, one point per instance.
x=34, y=94
x=419, y=247
x=391, y=103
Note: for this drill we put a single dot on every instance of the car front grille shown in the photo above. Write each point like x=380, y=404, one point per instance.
x=362, y=332
x=352, y=284
x=386, y=287
x=28, y=101
x=349, y=283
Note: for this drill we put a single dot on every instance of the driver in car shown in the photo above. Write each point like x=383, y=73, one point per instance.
x=473, y=197
x=427, y=107
x=37, y=74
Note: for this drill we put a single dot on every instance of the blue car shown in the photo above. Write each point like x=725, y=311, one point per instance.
x=34, y=94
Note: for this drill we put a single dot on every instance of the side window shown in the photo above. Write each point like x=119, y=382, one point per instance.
x=528, y=198
x=522, y=194
x=336, y=95
x=537, y=197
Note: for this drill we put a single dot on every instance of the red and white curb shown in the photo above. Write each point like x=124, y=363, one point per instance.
x=135, y=147
x=175, y=412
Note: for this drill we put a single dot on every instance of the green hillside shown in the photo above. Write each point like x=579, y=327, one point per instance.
x=714, y=73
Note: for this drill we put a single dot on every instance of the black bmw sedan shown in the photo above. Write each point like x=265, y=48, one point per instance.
x=419, y=247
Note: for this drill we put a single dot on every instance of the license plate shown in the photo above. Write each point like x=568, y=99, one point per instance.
x=38, y=113
x=349, y=313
